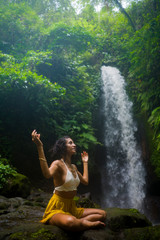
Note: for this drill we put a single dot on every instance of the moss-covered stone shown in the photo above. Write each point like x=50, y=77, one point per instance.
x=147, y=233
x=118, y=219
x=86, y=203
x=37, y=231
x=17, y=186
x=21, y=221
x=42, y=234
x=4, y=205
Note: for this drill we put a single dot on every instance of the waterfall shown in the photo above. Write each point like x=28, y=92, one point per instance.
x=124, y=173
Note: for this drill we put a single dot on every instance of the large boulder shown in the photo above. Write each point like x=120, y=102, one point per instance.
x=147, y=233
x=36, y=231
x=20, y=220
x=118, y=219
x=17, y=186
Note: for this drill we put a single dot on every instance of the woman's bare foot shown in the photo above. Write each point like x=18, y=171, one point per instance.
x=95, y=224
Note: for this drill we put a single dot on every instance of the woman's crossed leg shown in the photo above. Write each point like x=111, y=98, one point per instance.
x=90, y=218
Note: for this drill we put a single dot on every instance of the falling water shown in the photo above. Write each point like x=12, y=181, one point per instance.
x=124, y=173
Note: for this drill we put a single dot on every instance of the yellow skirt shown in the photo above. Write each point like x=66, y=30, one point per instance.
x=58, y=204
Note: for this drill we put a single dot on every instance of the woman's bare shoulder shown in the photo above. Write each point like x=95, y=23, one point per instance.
x=56, y=164
x=56, y=168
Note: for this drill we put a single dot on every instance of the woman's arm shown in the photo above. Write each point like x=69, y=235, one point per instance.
x=47, y=172
x=85, y=178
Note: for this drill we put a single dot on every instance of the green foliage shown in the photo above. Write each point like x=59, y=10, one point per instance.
x=6, y=171
x=26, y=100
x=82, y=133
x=23, y=28
x=155, y=160
x=145, y=71
x=50, y=89
x=50, y=67
x=68, y=37
x=137, y=56
x=155, y=123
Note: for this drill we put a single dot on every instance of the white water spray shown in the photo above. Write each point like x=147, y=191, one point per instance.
x=124, y=173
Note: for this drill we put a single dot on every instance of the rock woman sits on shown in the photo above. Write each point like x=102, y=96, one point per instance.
x=61, y=210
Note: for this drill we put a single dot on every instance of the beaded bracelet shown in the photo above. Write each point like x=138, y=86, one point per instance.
x=42, y=159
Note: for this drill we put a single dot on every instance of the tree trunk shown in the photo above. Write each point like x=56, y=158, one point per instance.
x=125, y=13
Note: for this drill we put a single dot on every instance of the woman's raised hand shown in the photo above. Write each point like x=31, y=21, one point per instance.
x=36, y=138
x=85, y=157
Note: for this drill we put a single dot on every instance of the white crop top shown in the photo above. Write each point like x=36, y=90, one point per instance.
x=71, y=183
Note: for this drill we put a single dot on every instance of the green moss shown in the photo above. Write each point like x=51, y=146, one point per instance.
x=133, y=210
x=86, y=203
x=118, y=219
x=17, y=236
x=43, y=234
x=148, y=233
x=116, y=212
x=18, y=186
x=76, y=199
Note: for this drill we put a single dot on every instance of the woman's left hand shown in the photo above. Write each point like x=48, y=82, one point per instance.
x=85, y=157
x=36, y=138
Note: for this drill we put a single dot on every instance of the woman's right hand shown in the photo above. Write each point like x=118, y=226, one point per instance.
x=36, y=138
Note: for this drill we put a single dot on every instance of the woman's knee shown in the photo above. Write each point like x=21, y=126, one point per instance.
x=104, y=214
x=70, y=221
x=65, y=221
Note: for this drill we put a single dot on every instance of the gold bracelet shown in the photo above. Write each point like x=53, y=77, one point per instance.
x=42, y=159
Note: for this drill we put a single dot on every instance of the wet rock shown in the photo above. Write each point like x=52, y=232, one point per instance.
x=147, y=233
x=85, y=201
x=21, y=221
x=152, y=208
x=36, y=232
x=19, y=185
x=99, y=234
x=3, y=203
x=118, y=219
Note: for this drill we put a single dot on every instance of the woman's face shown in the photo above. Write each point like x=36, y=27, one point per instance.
x=70, y=146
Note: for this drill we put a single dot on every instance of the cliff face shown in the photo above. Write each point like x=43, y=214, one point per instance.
x=20, y=218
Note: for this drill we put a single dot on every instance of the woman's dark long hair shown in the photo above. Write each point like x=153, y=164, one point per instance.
x=59, y=149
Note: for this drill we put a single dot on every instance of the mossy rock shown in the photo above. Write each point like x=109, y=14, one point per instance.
x=147, y=233
x=42, y=234
x=85, y=201
x=47, y=232
x=3, y=203
x=118, y=219
x=17, y=186
x=37, y=231
x=99, y=234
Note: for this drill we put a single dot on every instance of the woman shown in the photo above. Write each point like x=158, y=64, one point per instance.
x=61, y=210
